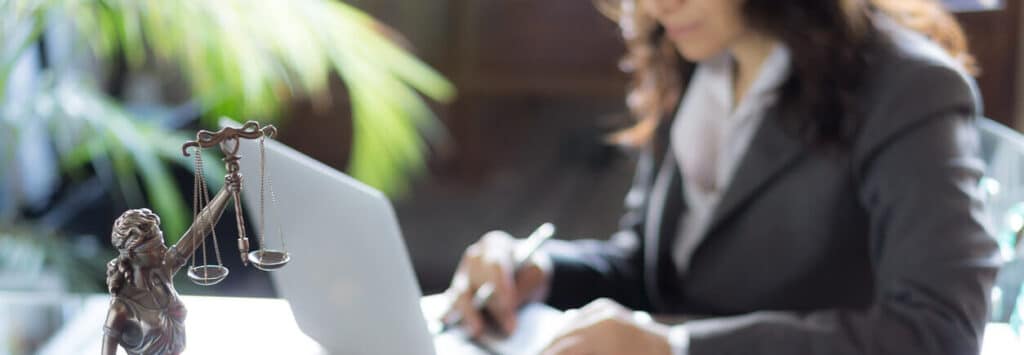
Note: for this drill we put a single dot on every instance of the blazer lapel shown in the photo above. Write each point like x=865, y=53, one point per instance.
x=771, y=151
x=666, y=205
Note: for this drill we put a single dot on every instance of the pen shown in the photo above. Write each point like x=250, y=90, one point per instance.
x=520, y=255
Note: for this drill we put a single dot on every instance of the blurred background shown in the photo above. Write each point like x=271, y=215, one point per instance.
x=471, y=115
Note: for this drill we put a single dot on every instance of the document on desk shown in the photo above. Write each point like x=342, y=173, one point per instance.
x=538, y=324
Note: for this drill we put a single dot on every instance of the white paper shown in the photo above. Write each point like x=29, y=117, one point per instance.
x=537, y=325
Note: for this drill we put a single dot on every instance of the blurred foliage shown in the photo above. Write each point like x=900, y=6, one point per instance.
x=90, y=129
x=238, y=58
x=28, y=255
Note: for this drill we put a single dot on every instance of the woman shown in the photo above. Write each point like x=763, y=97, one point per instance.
x=807, y=186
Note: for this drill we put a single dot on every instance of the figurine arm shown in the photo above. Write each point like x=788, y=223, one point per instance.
x=114, y=325
x=109, y=345
x=178, y=254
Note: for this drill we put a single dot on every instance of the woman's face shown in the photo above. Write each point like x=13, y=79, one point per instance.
x=700, y=29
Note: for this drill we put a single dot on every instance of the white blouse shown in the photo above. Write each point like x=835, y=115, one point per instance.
x=710, y=136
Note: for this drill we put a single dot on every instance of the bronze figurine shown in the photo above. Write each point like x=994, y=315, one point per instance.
x=146, y=316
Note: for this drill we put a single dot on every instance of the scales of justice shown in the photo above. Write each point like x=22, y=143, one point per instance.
x=146, y=316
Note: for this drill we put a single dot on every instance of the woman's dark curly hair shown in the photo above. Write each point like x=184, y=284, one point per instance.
x=826, y=39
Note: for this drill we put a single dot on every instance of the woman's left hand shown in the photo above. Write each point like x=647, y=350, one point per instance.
x=605, y=327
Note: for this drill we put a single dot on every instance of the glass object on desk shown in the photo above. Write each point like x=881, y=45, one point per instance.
x=1017, y=317
x=1002, y=189
x=1005, y=295
x=1009, y=234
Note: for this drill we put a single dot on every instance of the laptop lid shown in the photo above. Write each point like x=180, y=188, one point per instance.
x=350, y=282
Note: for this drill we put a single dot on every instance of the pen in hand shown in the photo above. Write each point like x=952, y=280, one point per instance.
x=521, y=255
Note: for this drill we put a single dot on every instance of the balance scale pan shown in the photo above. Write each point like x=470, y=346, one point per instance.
x=268, y=260
x=207, y=275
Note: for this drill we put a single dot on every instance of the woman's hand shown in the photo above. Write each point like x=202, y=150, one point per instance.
x=605, y=327
x=490, y=260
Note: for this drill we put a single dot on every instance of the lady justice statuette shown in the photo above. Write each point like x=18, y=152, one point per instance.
x=146, y=316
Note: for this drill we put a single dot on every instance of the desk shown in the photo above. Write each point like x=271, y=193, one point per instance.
x=221, y=325
x=214, y=325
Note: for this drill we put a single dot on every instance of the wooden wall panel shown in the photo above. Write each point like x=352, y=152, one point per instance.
x=521, y=47
x=995, y=40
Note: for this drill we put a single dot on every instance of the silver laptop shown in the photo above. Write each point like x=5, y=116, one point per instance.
x=350, y=282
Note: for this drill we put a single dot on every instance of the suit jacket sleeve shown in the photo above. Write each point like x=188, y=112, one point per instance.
x=584, y=270
x=933, y=260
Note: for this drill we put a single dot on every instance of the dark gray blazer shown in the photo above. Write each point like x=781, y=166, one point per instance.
x=875, y=249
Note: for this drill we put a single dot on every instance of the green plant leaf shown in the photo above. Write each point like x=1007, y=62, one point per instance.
x=246, y=59
x=239, y=58
x=128, y=142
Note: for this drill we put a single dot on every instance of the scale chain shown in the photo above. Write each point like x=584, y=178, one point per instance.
x=201, y=198
x=195, y=201
x=213, y=228
x=276, y=212
x=263, y=218
x=266, y=183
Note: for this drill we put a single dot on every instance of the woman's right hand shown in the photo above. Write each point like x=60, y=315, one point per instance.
x=490, y=260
